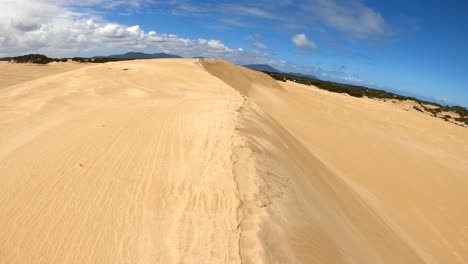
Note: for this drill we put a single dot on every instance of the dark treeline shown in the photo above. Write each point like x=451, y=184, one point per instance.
x=33, y=58
x=97, y=59
x=42, y=59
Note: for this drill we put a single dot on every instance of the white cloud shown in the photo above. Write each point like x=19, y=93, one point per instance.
x=112, y=31
x=216, y=44
x=260, y=45
x=105, y=4
x=353, y=18
x=353, y=79
x=444, y=100
x=254, y=37
x=302, y=41
x=245, y=10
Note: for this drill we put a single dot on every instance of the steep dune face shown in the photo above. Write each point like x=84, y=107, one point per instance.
x=319, y=214
x=240, y=78
x=408, y=171
x=181, y=161
x=307, y=213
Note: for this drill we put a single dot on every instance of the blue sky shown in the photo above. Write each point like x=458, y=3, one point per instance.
x=416, y=47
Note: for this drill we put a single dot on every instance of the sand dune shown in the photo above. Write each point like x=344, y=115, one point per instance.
x=187, y=161
x=16, y=73
x=408, y=170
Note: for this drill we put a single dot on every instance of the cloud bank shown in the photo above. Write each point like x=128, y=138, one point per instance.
x=28, y=26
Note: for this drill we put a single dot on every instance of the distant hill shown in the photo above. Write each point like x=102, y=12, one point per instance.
x=303, y=75
x=261, y=67
x=141, y=55
x=268, y=68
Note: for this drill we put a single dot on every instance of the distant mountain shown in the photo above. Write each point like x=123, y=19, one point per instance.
x=261, y=67
x=141, y=55
x=268, y=68
x=303, y=75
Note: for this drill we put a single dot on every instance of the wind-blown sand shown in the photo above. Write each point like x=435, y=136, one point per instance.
x=187, y=161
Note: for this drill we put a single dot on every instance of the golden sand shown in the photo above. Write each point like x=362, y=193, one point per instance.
x=187, y=161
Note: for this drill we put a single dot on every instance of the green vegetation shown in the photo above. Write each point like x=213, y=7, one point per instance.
x=462, y=120
x=97, y=59
x=33, y=58
x=80, y=59
x=361, y=91
x=107, y=59
x=353, y=90
x=463, y=112
x=42, y=59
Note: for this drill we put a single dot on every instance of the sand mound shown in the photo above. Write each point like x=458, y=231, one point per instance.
x=181, y=161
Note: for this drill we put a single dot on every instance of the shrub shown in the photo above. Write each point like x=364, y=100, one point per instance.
x=462, y=120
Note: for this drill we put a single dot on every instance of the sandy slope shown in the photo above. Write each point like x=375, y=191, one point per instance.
x=15, y=73
x=409, y=170
x=106, y=165
x=171, y=161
